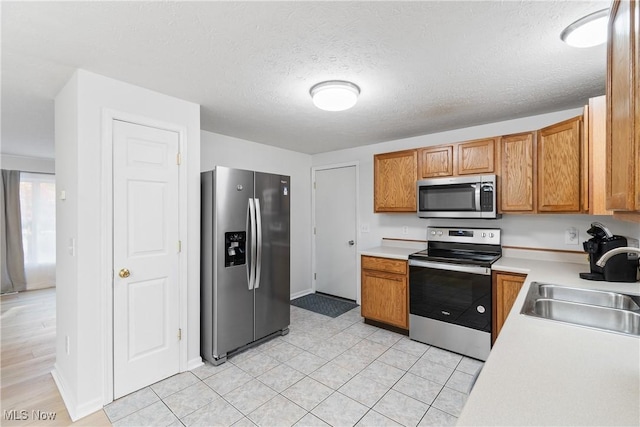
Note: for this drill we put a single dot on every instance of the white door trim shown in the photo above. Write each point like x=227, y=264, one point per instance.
x=106, y=237
x=314, y=169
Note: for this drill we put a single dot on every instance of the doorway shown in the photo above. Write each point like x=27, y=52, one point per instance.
x=335, y=200
x=146, y=247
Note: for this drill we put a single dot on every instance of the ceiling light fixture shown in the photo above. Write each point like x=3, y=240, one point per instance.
x=334, y=95
x=588, y=31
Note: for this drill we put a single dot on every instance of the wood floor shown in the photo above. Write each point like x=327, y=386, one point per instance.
x=28, y=354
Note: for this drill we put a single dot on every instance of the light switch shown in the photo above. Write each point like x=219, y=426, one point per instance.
x=63, y=195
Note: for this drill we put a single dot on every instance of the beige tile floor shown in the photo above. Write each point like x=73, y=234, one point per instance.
x=325, y=372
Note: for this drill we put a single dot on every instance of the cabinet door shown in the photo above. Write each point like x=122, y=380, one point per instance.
x=517, y=186
x=476, y=157
x=505, y=291
x=384, y=297
x=436, y=161
x=623, y=107
x=394, y=181
x=560, y=167
x=596, y=114
x=384, y=264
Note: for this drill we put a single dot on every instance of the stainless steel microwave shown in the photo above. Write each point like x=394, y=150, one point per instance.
x=458, y=197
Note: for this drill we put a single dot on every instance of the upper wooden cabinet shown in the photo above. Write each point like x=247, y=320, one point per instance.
x=476, y=157
x=517, y=184
x=595, y=132
x=435, y=161
x=394, y=181
x=559, y=157
x=623, y=106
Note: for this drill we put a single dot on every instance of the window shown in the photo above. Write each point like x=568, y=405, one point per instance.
x=38, y=211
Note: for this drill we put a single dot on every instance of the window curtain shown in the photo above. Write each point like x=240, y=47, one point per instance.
x=12, y=256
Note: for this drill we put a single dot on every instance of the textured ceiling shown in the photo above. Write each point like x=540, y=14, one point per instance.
x=423, y=67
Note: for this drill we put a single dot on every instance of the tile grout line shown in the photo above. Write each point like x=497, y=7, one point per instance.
x=319, y=340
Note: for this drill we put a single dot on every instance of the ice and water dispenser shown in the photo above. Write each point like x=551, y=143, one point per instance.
x=235, y=243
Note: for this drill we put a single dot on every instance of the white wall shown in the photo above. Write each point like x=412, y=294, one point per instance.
x=540, y=231
x=221, y=150
x=82, y=295
x=28, y=164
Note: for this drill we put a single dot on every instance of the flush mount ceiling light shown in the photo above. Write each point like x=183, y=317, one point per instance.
x=335, y=95
x=587, y=31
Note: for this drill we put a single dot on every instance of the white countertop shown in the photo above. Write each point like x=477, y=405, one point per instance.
x=542, y=372
x=396, y=249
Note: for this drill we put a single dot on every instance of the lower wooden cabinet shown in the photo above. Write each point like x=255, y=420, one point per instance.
x=385, y=291
x=505, y=288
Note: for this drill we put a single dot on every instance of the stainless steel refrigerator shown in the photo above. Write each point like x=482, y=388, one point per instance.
x=245, y=259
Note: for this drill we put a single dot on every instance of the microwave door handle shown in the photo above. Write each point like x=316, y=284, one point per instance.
x=478, y=188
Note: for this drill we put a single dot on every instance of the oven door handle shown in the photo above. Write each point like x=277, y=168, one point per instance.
x=472, y=269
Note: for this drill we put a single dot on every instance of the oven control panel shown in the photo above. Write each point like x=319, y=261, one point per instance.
x=488, y=236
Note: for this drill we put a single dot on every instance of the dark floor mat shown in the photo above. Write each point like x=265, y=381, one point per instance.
x=324, y=304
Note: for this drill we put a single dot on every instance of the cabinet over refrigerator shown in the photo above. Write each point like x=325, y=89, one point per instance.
x=245, y=259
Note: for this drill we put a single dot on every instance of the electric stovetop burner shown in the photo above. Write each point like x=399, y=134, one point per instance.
x=475, y=246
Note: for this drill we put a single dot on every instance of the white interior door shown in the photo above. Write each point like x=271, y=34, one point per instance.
x=335, y=224
x=145, y=256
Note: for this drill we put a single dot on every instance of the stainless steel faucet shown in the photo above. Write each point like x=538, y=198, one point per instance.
x=604, y=258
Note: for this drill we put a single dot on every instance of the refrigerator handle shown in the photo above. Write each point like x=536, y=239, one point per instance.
x=251, y=225
x=259, y=242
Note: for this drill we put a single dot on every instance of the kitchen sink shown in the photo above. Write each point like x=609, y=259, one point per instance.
x=588, y=296
x=593, y=316
x=604, y=310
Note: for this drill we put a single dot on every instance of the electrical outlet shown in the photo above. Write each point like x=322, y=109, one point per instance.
x=364, y=228
x=571, y=236
x=405, y=230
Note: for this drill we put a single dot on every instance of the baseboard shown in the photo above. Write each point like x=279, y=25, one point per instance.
x=194, y=363
x=301, y=293
x=75, y=411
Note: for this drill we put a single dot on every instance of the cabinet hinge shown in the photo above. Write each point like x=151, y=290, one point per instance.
x=180, y=333
x=178, y=158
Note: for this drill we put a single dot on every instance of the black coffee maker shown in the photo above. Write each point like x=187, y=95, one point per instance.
x=620, y=268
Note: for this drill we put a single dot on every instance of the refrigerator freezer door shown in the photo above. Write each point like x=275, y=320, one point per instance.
x=272, y=295
x=233, y=302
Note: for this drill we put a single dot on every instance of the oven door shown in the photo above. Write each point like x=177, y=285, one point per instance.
x=452, y=293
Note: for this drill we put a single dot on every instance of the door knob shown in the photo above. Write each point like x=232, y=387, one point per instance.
x=124, y=273
x=351, y=243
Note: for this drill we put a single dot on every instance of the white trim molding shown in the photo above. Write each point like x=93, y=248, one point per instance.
x=75, y=412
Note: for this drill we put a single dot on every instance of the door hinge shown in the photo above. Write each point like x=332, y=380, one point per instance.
x=315, y=276
x=180, y=334
x=178, y=158
x=314, y=230
x=179, y=246
x=314, y=185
